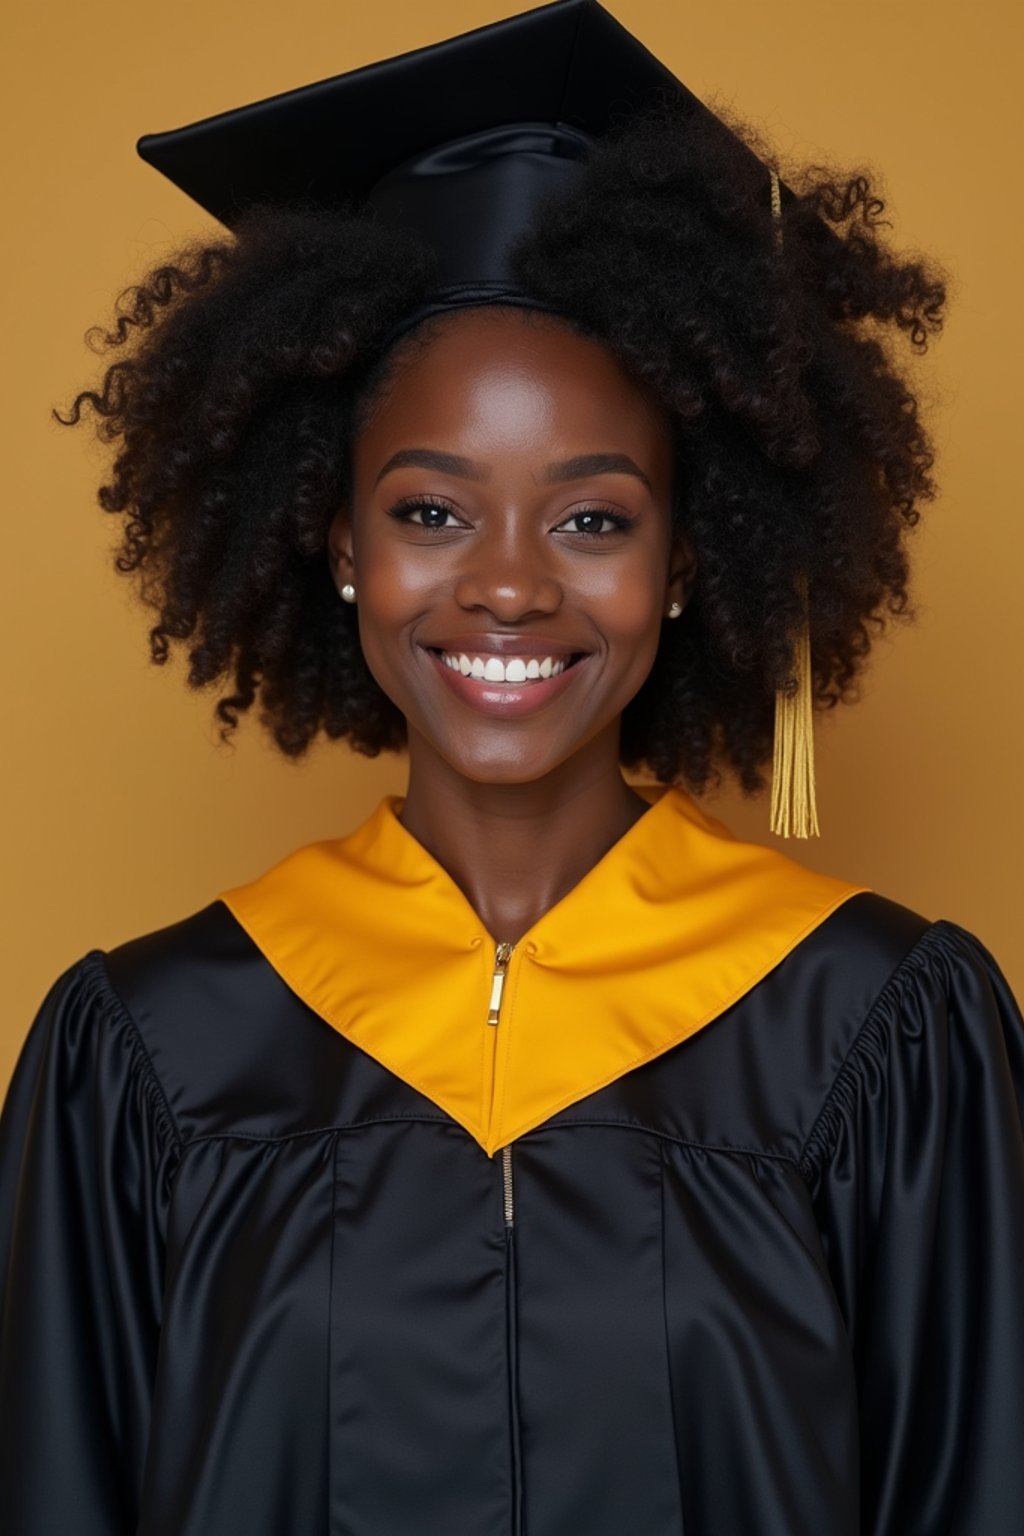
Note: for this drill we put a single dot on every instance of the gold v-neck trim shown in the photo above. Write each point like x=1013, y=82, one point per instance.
x=674, y=923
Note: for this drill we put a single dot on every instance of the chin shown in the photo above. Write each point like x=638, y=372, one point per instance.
x=503, y=771
x=506, y=758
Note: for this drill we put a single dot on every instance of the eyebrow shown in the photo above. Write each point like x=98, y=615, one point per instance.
x=579, y=468
x=586, y=464
x=432, y=458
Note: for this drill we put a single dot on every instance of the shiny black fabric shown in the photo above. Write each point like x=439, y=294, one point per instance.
x=768, y=1284
x=471, y=198
x=570, y=65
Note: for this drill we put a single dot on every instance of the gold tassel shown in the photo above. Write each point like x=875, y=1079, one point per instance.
x=794, y=808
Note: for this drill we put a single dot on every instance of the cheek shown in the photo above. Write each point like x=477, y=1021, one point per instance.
x=624, y=599
x=395, y=588
x=393, y=594
x=391, y=591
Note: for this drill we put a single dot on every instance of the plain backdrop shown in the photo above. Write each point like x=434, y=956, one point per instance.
x=122, y=810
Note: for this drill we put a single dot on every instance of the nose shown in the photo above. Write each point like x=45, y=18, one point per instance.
x=510, y=576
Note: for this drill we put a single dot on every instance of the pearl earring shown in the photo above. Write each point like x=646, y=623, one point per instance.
x=674, y=610
x=348, y=592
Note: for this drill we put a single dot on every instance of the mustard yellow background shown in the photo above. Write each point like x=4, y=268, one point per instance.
x=122, y=812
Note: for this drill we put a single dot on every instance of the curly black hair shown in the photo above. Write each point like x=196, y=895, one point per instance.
x=249, y=362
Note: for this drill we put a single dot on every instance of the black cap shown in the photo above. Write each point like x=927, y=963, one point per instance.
x=458, y=140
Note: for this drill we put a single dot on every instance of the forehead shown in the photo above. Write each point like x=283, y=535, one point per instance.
x=514, y=372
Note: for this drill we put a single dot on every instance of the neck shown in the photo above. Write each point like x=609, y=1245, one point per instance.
x=516, y=849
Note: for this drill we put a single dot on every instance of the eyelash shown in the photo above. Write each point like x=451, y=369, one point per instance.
x=403, y=510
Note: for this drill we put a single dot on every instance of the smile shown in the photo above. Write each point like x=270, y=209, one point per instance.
x=508, y=669
x=507, y=687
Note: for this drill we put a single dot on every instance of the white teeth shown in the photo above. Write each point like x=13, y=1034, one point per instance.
x=493, y=669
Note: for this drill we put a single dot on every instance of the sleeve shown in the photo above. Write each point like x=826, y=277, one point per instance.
x=86, y=1152
x=916, y=1166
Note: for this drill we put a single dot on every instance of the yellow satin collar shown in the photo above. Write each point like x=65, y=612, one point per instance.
x=669, y=928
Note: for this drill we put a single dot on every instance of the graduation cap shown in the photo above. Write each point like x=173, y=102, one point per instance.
x=460, y=142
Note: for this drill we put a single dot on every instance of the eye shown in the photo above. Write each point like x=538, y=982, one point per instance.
x=430, y=513
x=589, y=520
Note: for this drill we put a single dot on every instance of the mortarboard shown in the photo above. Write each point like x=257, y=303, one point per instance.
x=458, y=141
x=461, y=141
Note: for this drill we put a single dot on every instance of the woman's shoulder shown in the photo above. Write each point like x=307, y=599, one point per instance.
x=203, y=948
x=875, y=969
x=219, y=1025
x=877, y=965
x=893, y=946
x=873, y=933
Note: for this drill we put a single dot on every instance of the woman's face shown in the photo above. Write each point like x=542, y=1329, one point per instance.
x=510, y=516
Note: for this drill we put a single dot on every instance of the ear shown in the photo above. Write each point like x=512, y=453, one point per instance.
x=682, y=570
x=339, y=548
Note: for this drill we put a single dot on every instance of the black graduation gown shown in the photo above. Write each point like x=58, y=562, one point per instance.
x=766, y=1283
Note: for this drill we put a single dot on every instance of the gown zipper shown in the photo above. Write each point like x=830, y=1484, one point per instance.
x=502, y=956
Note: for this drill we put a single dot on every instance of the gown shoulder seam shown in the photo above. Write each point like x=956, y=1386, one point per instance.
x=821, y=1138
x=94, y=965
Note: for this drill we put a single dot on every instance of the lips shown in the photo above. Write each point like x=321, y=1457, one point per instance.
x=510, y=685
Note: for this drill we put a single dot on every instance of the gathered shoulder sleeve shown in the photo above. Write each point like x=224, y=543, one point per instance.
x=916, y=1168
x=87, y=1150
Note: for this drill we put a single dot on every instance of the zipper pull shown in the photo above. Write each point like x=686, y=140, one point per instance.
x=502, y=955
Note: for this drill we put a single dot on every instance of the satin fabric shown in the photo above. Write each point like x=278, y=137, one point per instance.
x=676, y=920
x=766, y=1284
x=472, y=197
x=553, y=78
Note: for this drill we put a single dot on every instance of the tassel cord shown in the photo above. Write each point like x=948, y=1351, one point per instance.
x=794, y=811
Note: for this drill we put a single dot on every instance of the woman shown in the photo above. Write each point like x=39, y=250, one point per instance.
x=538, y=1157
